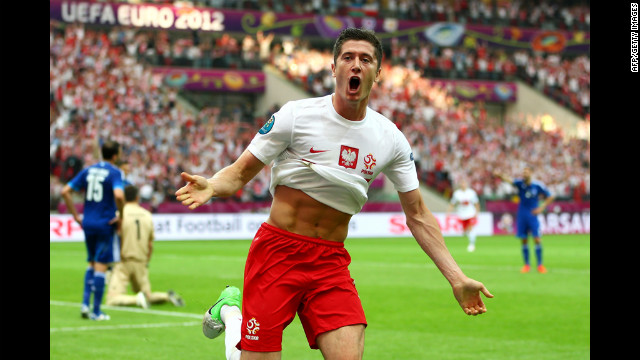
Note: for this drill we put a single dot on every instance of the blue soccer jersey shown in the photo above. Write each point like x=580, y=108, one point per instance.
x=529, y=201
x=98, y=181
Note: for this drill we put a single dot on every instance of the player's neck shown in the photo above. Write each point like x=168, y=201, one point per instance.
x=354, y=111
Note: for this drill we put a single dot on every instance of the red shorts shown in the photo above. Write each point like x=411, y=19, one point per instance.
x=287, y=273
x=468, y=223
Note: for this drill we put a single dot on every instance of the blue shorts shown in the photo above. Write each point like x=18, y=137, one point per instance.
x=527, y=223
x=102, y=247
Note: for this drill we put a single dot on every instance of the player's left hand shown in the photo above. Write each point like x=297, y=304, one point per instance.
x=78, y=219
x=468, y=295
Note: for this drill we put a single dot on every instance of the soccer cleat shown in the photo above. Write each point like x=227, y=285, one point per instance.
x=471, y=248
x=542, y=269
x=101, y=317
x=525, y=269
x=141, y=300
x=175, y=299
x=84, y=312
x=212, y=324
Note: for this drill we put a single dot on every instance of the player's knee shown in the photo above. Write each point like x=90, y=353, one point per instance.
x=346, y=343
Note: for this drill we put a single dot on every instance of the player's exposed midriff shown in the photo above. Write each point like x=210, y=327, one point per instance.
x=294, y=211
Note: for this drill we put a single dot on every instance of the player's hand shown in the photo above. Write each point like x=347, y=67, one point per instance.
x=78, y=219
x=537, y=210
x=468, y=295
x=196, y=192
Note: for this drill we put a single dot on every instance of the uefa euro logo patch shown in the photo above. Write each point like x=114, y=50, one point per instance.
x=268, y=125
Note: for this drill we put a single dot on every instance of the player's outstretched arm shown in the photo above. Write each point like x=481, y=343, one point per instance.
x=503, y=177
x=224, y=183
x=425, y=229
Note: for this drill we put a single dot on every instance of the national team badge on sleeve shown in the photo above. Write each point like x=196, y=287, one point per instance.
x=348, y=157
x=268, y=125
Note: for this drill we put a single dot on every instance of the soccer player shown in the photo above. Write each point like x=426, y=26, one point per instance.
x=465, y=201
x=529, y=192
x=326, y=150
x=137, y=234
x=103, y=202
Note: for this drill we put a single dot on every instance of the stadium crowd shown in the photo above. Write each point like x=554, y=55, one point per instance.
x=100, y=88
x=543, y=14
x=454, y=139
x=566, y=80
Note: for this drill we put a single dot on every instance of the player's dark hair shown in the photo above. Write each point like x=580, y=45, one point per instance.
x=109, y=149
x=130, y=193
x=358, y=34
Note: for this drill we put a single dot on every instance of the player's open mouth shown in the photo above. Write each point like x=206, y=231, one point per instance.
x=354, y=84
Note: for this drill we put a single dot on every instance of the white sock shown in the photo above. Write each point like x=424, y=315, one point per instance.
x=232, y=318
x=472, y=237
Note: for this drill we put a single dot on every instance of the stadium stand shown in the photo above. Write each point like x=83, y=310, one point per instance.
x=555, y=15
x=101, y=85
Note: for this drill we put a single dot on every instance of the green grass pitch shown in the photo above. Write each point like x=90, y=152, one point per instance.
x=410, y=308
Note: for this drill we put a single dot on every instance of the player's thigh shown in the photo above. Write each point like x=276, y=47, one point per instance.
x=522, y=226
x=468, y=224
x=535, y=227
x=107, y=249
x=118, y=281
x=140, y=277
x=345, y=343
x=90, y=243
x=254, y=355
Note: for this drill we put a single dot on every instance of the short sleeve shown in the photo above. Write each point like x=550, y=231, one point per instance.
x=118, y=179
x=402, y=170
x=79, y=181
x=275, y=136
x=545, y=190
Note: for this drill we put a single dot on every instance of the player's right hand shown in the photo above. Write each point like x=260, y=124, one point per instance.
x=196, y=192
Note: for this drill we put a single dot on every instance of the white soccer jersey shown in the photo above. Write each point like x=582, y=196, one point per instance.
x=330, y=158
x=465, y=202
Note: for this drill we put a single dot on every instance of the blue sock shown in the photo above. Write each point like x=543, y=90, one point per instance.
x=525, y=253
x=98, y=284
x=539, y=253
x=88, y=286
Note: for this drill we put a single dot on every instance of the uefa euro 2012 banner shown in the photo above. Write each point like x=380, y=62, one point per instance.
x=240, y=226
x=188, y=18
